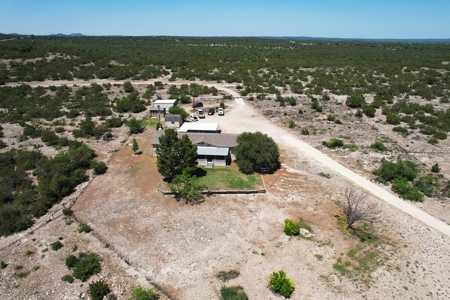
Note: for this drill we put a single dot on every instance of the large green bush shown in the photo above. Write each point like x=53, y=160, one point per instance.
x=333, y=143
x=281, y=285
x=389, y=171
x=86, y=266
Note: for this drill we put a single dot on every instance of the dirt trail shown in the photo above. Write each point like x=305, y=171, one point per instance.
x=244, y=118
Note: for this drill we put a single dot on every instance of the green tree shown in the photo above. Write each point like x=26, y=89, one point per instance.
x=355, y=101
x=255, y=151
x=178, y=111
x=135, y=146
x=128, y=87
x=175, y=156
x=187, y=187
x=134, y=126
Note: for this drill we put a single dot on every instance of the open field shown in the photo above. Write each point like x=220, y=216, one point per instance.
x=148, y=239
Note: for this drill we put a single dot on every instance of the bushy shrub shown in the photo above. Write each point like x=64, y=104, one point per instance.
x=333, y=143
x=86, y=266
x=71, y=261
x=99, y=167
x=400, y=129
x=56, y=245
x=378, y=146
x=390, y=171
x=435, y=168
x=281, y=285
x=98, y=289
x=406, y=190
x=369, y=110
x=3, y=264
x=233, y=293
x=291, y=228
x=427, y=185
x=305, y=131
x=141, y=294
x=355, y=101
x=291, y=124
x=67, y=278
x=83, y=228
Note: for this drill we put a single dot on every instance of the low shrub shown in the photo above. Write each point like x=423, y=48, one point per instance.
x=98, y=289
x=140, y=294
x=3, y=264
x=86, y=266
x=71, y=261
x=435, y=168
x=281, y=285
x=67, y=278
x=406, y=190
x=333, y=143
x=291, y=228
x=305, y=131
x=67, y=211
x=56, y=245
x=83, y=228
x=378, y=146
x=233, y=293
x=99, y=167
x=225, y=276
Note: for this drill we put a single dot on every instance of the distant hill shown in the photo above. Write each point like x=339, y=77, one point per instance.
x=62, y=34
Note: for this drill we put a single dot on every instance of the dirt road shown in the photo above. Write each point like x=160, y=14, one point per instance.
x=244, y=118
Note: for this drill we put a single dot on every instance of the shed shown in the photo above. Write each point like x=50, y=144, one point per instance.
x=164, y=103
x=173, y=121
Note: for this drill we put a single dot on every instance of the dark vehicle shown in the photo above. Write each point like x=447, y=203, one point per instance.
x=198, y=104
x=211, y=111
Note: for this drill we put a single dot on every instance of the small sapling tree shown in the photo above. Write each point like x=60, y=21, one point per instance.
x=135, y=147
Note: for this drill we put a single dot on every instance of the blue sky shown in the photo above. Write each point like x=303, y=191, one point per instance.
x=320, y=18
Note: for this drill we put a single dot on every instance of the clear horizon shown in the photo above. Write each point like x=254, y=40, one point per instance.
x=348, y=19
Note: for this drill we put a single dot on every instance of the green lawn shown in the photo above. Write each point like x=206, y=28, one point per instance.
x=227, y=178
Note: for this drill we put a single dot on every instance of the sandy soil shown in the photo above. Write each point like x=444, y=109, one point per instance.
x=154, y=239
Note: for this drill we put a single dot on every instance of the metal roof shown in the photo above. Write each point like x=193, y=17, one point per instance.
x=216, y=151
x=226, y=140
x=202, y=127
x=164, y=102
x=173, y=118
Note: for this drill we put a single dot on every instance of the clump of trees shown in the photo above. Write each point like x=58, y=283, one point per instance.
x=21, y=200
x=255, y=152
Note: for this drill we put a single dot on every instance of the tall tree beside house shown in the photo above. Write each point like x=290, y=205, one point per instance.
x=256, y=151
x=174, y=155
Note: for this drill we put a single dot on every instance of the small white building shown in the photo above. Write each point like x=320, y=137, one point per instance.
x=200, y=127
x=161, y=104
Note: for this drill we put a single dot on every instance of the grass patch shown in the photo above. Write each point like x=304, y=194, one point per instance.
x=226, y=178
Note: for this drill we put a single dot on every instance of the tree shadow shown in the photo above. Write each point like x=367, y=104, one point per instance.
x=199, y=172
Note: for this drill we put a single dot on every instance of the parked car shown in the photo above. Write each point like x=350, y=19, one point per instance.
x=200, y=113
x=193, y=118
x=221, y=112
x=211, y=111
x=197, y=104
